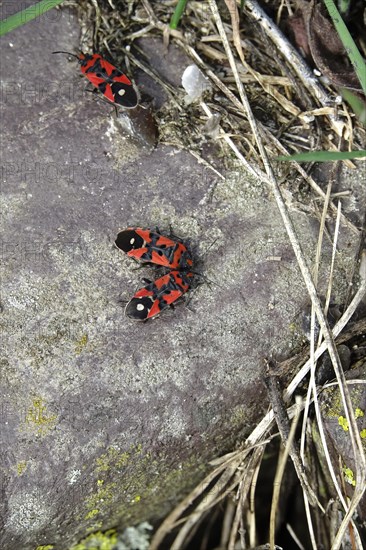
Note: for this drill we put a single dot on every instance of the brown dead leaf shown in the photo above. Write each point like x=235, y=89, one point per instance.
x=234, y=14
x=325, y=46
x=297, y=30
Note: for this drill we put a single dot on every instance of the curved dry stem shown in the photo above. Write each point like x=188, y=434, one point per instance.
x=293, y=58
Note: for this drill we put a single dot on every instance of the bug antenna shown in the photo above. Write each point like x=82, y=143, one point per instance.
x=68, y=53
x=204, y=279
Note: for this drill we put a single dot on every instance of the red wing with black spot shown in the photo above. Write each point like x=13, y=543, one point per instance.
x=148, y=246
x=150, y=301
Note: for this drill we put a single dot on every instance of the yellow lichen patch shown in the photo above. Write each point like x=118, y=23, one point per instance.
x=21, y=467
x=81, y=343
x=102, y=541
x=38, y=419
x=47, y=547
x=359, y=413
x=348, y=474
x=122, y=460
x=113, y=461
x=238, y=416
x=95, y=527
x=363, y=434
x=92, y=513
x=121, y=493
x=343, y=422
x=101, y=497
x=113, y=458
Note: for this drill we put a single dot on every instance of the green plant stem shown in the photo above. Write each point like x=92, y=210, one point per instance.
x=357, y=104
x=22, y=17
x=347, y=40
x=323, y=156
x=177, y=14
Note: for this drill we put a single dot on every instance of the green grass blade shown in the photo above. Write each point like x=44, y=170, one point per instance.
x=323, y=156
x=351, y=48
x=22, y=17
x=357, y=104
x=177, y=14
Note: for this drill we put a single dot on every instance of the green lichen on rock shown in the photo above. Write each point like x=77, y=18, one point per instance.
x=332, y=405
x=92, y=513
x=359, y=413
x=100, y=498
x=98, y=541
x=129, y=485
x=21, y=467
x=238, y=416
x=343, y=422
x=349, y=476
x=45, y=547
x=113, y=458
x=133, y=538
x=38, y=419
x=113, y=464
x=81, y=343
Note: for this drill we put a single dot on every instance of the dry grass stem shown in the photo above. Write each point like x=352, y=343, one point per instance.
x=279, y=475
x=337, y=329
x=296, y=62
x=231, y=143
x=311, y=181
x=311, y=387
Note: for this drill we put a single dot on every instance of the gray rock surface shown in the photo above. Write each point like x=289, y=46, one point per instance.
x=106, y=422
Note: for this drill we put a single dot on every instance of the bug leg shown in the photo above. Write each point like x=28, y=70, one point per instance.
x=188, y=297
x=93, y=91
x=90, y=89
x=172, y=235
x=145, y=264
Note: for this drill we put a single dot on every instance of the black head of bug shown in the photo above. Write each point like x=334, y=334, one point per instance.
x=128, y=240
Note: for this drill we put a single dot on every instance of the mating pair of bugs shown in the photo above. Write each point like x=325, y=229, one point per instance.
x=150, y=247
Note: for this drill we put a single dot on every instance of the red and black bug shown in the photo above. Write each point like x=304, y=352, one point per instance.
x=148, y=246
x=150, y=301
x=106, y=78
